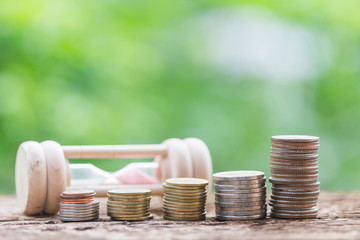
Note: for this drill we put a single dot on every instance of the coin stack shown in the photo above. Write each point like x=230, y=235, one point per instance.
x=294, y=175
x=129, y=204
x=78, y=206
x=185, y=199
x=240, y=195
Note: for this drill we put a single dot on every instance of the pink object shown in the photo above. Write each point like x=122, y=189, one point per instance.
x=134, y=176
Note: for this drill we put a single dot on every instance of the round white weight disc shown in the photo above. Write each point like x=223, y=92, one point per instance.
x=30, y=178
x=68, y=172
x=201, y=158
x=177, y=162
x=56, y=175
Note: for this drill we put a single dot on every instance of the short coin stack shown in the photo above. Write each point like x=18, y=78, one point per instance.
x=78, y=206
x=185, y=199
x=240, y=195
x=129, y=204
x=294, y=174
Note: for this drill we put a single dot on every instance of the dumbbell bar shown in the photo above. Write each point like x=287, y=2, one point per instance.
x=42, y=170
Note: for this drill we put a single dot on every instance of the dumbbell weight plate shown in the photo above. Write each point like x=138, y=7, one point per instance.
x=201, y=159
x=31, y=178
x=177, y=162
x=56, y=175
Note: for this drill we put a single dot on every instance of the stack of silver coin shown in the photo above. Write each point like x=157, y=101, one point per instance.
x=185, y=199
x=240, y=195
x=294, y=176
x=78, y=206
x=129, y=204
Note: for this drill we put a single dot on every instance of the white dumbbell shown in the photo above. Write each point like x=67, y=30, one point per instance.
x=43, y=173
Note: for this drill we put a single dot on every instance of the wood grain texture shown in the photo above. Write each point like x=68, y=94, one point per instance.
x=339, y=218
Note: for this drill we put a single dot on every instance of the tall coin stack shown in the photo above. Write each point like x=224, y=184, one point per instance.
x=129, y=204
x=185, y=199
x=240, y=195
x=294, y=176
x=78, y=206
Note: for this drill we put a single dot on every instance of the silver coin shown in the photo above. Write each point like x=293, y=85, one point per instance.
x=96, y=202
x=286, y=211
x=238, y=175
x=241, y=195
x=239, y=209
x=240, y=213
x=240, y=205
x=287, y=151
x=292, y=202
x=286, y=198
x=295, y=138
x=293, y=216
x=79, y=216
x=79, y=212
x=292, y=206
x=301, y=172
x=296, y=177
x=296, y=194
x=239, y=187
x=296, y=159
x=240, y=200
x=295, y=190
x=240, y=218
x=247, y=191
x=76, y=219
x=292, y=181
x=95, y=208
x=241, y=182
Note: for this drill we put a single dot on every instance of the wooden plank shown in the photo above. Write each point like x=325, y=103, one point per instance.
x=339, y=217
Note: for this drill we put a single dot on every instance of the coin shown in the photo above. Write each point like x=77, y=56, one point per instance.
x=294, y=174
x=245, y=208
x=295, y=138
x=77, y=193
x=77, y=219
x=242, y=213
x=240, y=218
x=306, y=211
x=176, y=209
x=193, y=182
x=295, y=181
x=293, y=206
x=129, y=204
x=177, y=218
x=293, y=216
x=184, y=199
x=186, y=193
x=133, y=219
x=236, y=191
x=184, y=188
x=296, y=194
x=238, y=175
x=130, y=192
x=241, y=195
x=238, y=200
x=78, y=205
x=239, y=187
x=259, y=182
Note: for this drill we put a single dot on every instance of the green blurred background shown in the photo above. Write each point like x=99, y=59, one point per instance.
x=232, y=73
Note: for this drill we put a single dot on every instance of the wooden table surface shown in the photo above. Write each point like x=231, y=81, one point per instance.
x=339, y=218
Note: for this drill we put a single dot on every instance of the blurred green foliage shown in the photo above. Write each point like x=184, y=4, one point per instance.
x=126, y=72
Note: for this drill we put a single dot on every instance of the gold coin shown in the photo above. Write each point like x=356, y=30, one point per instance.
x=133, y=218
x=187, y=182
x=130, y=192
x=185, y=193
x=188, y=201
x=177, y=218
x=119, y=199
